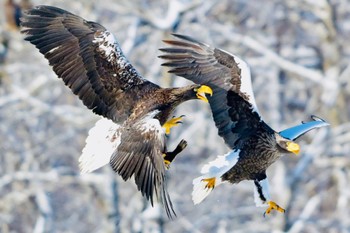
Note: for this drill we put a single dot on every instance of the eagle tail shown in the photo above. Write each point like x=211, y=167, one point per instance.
x=202, y=188
x=102, y=141
x=212, y=173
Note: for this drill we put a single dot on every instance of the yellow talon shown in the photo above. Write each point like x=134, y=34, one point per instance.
x=202, y=90
x=171, y=123
x=273, y=206
x=210, y=183
x=167, y=163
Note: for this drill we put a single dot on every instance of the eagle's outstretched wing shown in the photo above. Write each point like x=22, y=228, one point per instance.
x=88, y=59
x=233, y=105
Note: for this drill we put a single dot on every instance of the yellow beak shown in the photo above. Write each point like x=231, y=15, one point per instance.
x=202, y=91
x=293, y=147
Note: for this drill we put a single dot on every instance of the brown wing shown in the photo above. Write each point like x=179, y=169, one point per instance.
x=88, y=59
x=145, y=161
x=233, y=106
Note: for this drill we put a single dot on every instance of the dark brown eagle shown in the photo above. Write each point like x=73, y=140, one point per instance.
x=255, y=145
x=132, y=134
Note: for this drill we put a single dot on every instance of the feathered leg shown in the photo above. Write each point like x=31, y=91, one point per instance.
x=262, y=196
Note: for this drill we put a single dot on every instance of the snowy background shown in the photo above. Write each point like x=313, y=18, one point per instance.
x=299, y=54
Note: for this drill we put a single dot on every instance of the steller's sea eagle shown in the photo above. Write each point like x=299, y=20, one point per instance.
x=131, y=136
x=255, y=145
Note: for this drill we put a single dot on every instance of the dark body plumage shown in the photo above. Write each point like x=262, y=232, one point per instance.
x=253, y=162
x=255, y=146
x=89, y=60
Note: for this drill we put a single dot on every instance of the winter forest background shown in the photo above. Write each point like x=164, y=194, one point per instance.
x=299, y=54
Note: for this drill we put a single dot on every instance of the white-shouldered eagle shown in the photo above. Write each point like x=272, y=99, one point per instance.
x=255, y=145
x=132, y=134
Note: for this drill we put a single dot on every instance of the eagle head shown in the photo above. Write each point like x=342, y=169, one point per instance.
x=287, y=145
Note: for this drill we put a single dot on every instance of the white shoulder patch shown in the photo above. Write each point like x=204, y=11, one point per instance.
x=261, y=189
x=102, y=141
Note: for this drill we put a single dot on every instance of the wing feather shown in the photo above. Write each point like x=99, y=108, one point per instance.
x=233, y=105
x=88, y=59
x=145, y=162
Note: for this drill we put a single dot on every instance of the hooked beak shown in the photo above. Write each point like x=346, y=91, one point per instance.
x=202, y=91
x=293, y=147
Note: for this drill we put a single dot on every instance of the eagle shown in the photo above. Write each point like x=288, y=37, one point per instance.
x=255, y=145
x=131, y=136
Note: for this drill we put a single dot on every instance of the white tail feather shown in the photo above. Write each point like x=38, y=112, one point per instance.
x=200, y=192
x=100, y=145
x=214, y=169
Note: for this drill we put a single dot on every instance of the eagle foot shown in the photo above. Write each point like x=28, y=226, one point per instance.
x=273, y=206
x=170, y=156
x=210, y=182
x=172, y=122
x=166, y=162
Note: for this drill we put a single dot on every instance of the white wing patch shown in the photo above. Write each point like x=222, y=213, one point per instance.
x=246, y=82
x=214, y=169
x=108, y=44
x=103, y=140
x=148, y=123
x=264, y=190
x=110, y=50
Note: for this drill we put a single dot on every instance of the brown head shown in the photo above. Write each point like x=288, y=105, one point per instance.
x=190, y=92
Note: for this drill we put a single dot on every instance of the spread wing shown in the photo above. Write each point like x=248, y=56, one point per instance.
x=88, y=59
x=233, y=105
x=145, y=161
